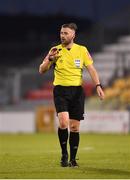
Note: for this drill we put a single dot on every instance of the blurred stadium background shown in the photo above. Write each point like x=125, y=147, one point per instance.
x=29, y=28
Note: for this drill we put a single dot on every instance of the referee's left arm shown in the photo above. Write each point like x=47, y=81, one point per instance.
x=94, y=75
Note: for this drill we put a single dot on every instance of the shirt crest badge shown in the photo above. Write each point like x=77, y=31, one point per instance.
x=77, y=62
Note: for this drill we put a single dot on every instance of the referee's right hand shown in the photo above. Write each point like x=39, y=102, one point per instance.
x=53, y=53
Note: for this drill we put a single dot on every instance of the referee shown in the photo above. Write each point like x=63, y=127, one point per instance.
x=69, y=59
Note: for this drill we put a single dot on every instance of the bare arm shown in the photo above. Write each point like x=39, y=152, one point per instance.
x=48, y=60
x=45, y=65
x=94, y=75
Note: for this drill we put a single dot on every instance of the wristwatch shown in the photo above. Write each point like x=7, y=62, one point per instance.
x=50, y=59
x=98, y=85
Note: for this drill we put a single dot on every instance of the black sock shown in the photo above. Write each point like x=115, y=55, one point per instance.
x=63, y=137
x=74, y=143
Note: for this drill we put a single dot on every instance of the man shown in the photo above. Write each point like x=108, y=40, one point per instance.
x=68, y=59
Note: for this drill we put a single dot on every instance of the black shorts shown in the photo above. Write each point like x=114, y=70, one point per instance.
x=70, y=99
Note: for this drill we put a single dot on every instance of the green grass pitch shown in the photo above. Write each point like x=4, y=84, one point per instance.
x=38, y=155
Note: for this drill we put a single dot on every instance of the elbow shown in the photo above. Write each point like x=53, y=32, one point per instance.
x=42, y=70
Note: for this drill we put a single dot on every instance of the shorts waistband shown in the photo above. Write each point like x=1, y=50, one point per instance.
x=67, y=86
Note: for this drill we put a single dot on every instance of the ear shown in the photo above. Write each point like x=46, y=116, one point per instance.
x=73, y=35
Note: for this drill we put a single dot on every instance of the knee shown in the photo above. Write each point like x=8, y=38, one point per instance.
x=74, y=128
x=63, y=120
x=63, y=124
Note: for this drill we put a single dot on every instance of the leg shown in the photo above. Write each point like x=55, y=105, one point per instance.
x=63, y=136
x=63, y=120
x=76, y=111
x=74, y=140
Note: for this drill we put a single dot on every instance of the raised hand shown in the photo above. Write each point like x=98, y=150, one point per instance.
x=53, y=53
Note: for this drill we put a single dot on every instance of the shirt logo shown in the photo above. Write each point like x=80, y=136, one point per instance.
x=61, y=61
x=77, y=63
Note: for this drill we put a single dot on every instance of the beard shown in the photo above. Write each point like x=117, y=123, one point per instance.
x=65, y=42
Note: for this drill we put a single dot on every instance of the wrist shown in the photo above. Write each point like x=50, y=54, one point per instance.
x=50, y=58
x=98, y=85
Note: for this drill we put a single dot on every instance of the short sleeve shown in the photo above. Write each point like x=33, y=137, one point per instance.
x=87, y=59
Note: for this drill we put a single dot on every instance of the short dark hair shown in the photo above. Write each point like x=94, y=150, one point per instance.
x=72, y=26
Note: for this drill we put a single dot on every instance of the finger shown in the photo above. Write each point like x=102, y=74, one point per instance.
x=54, y=50
x=53, y=53
x=101, y=95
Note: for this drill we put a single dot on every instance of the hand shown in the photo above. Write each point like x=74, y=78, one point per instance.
x=53, y=53
x=100, y=93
